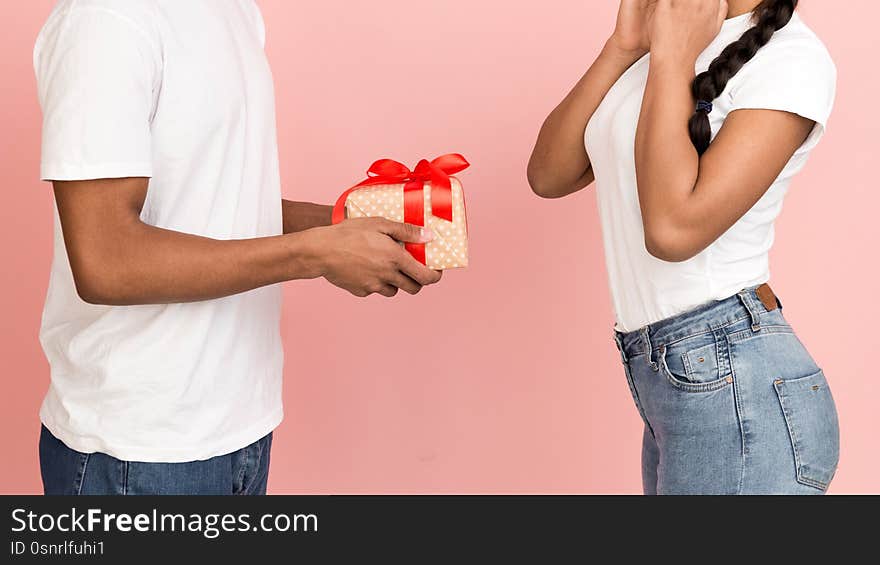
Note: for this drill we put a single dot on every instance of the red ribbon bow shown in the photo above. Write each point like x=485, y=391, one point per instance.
x=388, y=171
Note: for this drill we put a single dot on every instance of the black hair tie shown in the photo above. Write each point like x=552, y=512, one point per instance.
x=704, y=106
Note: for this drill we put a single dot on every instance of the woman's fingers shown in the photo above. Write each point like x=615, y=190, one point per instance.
x=723, y=9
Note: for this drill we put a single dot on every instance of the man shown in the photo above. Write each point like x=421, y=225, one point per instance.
x=161, y=323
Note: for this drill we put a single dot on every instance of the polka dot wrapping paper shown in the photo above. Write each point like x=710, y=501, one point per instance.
x=448, y=250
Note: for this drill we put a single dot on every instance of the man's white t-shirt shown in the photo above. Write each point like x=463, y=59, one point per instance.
x=180, y=92
x=793, y=73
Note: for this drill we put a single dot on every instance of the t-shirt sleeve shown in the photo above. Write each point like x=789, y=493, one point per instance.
x=259, y=23
x=97, y=79
x=798, y=77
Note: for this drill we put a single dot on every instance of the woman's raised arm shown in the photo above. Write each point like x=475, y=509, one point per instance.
x=559, y=164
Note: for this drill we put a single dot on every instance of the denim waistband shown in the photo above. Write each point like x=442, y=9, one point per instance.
x=706, y=318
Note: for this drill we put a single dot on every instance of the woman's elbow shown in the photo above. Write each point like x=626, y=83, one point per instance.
x=545, y=186
x=539, y=183
x=668, y=244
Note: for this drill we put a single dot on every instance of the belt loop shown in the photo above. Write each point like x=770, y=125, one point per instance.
x=649, y=348
x=619, y=341
x=748, y=300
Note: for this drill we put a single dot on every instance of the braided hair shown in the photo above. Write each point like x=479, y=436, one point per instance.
x=770, y=16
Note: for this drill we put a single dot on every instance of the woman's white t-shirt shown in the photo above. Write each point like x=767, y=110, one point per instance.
x=792, y=73
x=180, y=92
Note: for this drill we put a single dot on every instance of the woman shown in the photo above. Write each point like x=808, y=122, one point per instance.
x=691, y=172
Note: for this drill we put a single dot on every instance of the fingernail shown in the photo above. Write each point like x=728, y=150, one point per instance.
x=426, y=235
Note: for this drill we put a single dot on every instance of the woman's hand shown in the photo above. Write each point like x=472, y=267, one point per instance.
x=632, y=33
x=682, y=29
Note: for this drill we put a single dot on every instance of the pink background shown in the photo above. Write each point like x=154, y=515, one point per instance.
x=504, y=379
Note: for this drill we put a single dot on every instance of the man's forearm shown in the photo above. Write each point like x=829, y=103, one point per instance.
x=301, y=216
x=150, y=265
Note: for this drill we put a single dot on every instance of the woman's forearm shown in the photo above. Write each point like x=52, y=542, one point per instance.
x=559, y=164
x=667, y=164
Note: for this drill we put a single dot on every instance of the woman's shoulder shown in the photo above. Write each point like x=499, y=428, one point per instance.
x=796, y=44
x=794, y=54
x=794, y=73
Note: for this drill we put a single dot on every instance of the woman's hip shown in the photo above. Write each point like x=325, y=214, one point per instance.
x=734, y=401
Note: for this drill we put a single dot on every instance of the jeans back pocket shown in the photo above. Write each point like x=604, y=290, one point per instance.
x=813, y=427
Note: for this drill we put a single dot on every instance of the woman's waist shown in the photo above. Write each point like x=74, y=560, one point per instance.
x=752, y=308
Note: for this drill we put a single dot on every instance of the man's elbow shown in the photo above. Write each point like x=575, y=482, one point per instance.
x=96, y=294
x=99, y=287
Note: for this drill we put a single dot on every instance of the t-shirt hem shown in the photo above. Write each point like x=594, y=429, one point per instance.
x=143, y=454
x=723, y=294
x=71, y=172
x=819, y=117
x=732, y=290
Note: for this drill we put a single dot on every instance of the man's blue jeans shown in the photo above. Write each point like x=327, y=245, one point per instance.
x=69, y=472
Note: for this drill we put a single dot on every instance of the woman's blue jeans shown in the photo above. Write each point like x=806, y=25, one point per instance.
x=732, y=403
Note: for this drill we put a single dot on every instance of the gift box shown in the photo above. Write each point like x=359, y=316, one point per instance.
x=427, y=196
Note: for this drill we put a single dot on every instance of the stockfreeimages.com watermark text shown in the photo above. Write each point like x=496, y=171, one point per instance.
x=211, y=526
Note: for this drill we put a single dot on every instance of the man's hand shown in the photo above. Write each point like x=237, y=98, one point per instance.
x=363, y=257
